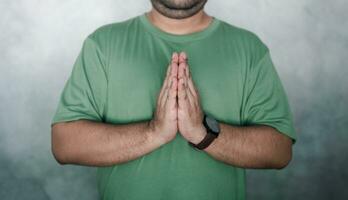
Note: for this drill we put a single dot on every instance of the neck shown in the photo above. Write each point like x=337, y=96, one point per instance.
x=195, y=23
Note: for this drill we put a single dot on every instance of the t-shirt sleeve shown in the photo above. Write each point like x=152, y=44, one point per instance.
x=84, y=93
x=266, y=101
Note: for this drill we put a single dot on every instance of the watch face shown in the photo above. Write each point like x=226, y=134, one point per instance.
x=213, y=124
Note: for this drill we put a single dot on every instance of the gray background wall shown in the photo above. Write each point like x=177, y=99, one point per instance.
x=39, y=41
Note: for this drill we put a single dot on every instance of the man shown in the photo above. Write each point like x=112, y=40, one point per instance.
x=135, y=106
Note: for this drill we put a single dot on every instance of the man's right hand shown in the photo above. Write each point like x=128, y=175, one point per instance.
x=164, y=124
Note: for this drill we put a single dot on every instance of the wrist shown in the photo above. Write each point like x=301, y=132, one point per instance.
x=153, y=135
x=199, y=135
x=212, y=131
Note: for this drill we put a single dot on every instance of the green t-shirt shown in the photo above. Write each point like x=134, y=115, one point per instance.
x=116, y=79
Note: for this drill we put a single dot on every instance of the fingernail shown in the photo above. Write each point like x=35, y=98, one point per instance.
x=184, y=55
x=173, y=55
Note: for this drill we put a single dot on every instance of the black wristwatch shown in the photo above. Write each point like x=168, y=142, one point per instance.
x=213, y=130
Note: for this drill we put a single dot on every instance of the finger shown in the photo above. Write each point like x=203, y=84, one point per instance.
x=194, y=91
x=175, y=57
x=182, y=96
x=187, y=70
x=190, y=96
x=174, y=63
x=190, y=83
x=181, y=68
x=171, y=71
x=171, y=100
x=182, y=57
x=166, y=93
x=172, y=75
x=164, y=85
x=173, y=66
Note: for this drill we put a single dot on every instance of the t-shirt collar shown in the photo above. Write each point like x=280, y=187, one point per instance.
x=176, y=37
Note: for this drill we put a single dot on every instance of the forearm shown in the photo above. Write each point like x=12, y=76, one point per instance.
x=85, y=142
x=251, y=147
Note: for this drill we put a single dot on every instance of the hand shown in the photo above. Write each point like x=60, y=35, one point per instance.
x=190, y=113
x=164, y=123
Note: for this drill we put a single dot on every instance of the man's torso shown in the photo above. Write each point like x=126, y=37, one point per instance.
x=137, y=59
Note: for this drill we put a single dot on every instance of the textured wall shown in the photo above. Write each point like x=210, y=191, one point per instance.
x=39, y=41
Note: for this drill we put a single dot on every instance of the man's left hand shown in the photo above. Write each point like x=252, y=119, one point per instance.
x=190, y=113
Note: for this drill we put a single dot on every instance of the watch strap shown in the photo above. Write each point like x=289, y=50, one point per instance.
x=207, y=140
